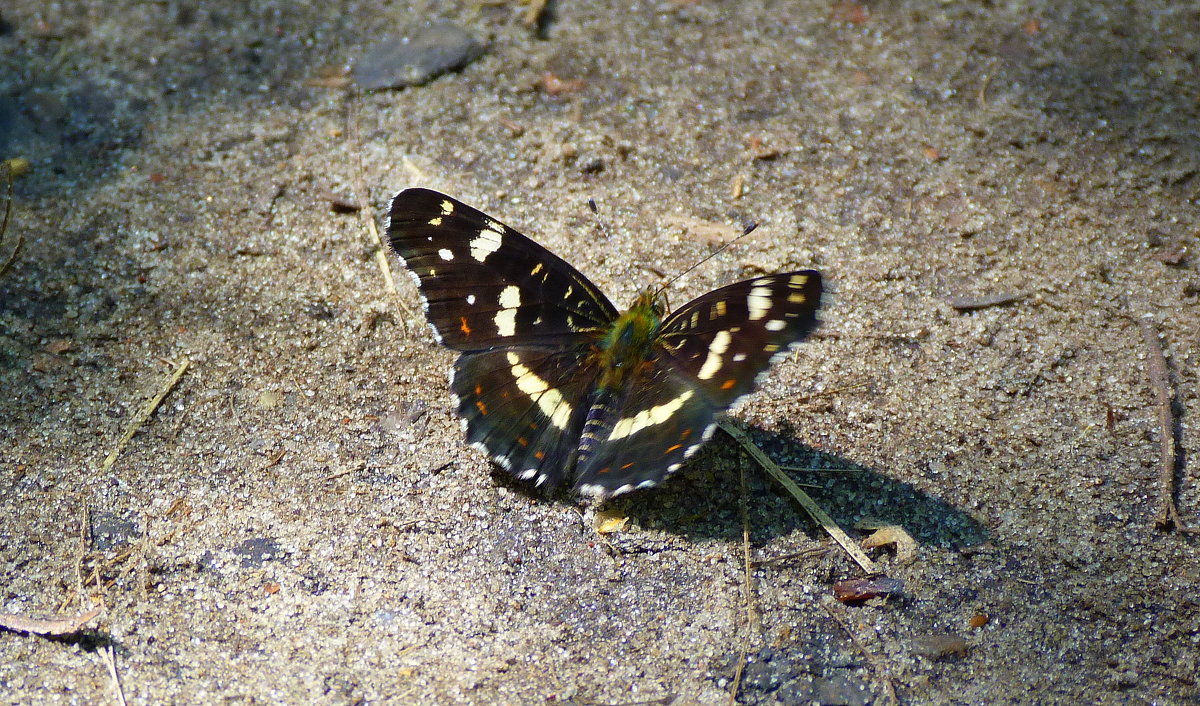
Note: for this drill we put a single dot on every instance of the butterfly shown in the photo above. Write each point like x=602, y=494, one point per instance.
x=556, y=385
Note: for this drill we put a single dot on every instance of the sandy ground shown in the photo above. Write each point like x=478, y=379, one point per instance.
x=299, y=521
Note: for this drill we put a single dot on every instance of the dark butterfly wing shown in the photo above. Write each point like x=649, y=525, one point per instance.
x=483, y=283
x=523, y=406
x=642, y=434
x=725, y=339
x=708, y=354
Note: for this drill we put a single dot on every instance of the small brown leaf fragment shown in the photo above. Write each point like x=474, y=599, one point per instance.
x=1031, y=27
x=895, y=535
x=1174, y=253
x=760, y=150
x=58, y=345
x=533, y=13
x=610, y=522
x=979, y=620
x=932, y=154
x=330, y=76
x=516, y=128
x=939, y=646
x=858, y=590
x=338, y=205
x=270, y=588
x=555, y=86
x=49, y=626
x=179, y=509
x=851, y=12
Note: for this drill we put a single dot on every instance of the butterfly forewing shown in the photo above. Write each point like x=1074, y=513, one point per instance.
x=483, y=283
x=724, y=339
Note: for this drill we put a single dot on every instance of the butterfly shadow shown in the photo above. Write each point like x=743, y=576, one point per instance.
x=703, y=502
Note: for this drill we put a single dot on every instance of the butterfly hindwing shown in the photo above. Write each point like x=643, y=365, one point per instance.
x=523, y=407
x=646, y=432
x=483, y=283
x=726, y=338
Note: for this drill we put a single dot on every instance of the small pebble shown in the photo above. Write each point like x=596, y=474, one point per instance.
x=416, y=57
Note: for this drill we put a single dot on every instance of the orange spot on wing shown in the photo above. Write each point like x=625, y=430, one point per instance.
x=626, y=466
x=674, y=448
x=606, y=469
x=464, y=327
x=522, y=441
x=478, y=390
x=728, y=384
x=686, y=433
x=539, y=455
x=481, y=407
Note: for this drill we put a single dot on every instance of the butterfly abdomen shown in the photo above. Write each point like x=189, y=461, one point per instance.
x=598, y=424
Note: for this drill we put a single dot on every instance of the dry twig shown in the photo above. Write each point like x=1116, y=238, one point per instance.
x=1160, y=383
x=973, y=303
x=814, y=511
x=47, y=626
x=144, y=413
x=381, y=259
x=10, y=172
x=110, y=659
x=751, y=618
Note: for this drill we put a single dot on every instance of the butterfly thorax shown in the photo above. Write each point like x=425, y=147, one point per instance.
x=627, y=344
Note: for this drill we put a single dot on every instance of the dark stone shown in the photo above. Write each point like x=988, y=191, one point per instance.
x=841, y=690
x=110, y=531
x=595, y=165
x=257, y=551
x=415, y=58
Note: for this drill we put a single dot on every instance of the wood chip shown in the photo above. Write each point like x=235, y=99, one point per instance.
x=858, y=590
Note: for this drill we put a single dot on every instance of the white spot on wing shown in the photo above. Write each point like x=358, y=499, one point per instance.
x=716, y=350
x=549, y=400
x=486, y=243
x=648, y=417
x=506, y=318
x=445, y=254
x=775, y=325
x=510, y=297
x=447, y=208
x=759, y=302
x=470, y=298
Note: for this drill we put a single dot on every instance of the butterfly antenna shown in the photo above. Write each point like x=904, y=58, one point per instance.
x=747, y=231
x=599, y=221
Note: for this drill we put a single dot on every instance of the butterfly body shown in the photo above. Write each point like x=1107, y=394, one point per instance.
x=556, y=385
